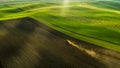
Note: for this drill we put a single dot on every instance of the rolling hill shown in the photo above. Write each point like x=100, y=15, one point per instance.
x=53, y=34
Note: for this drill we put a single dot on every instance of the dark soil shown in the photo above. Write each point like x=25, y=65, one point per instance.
x=27, y=43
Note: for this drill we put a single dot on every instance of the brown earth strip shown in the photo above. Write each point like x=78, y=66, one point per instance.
x=26, y=43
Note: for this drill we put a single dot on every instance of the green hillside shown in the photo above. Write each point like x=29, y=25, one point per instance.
x=107, y=4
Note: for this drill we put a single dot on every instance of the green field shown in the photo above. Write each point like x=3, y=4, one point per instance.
x=94, y=22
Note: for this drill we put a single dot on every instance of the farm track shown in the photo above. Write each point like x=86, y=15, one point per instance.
x=26, y=43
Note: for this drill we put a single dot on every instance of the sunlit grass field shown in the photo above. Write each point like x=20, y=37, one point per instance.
x=19, y=10
x=96, y=23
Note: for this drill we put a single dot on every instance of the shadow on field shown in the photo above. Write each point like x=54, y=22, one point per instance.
x=26, y=43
